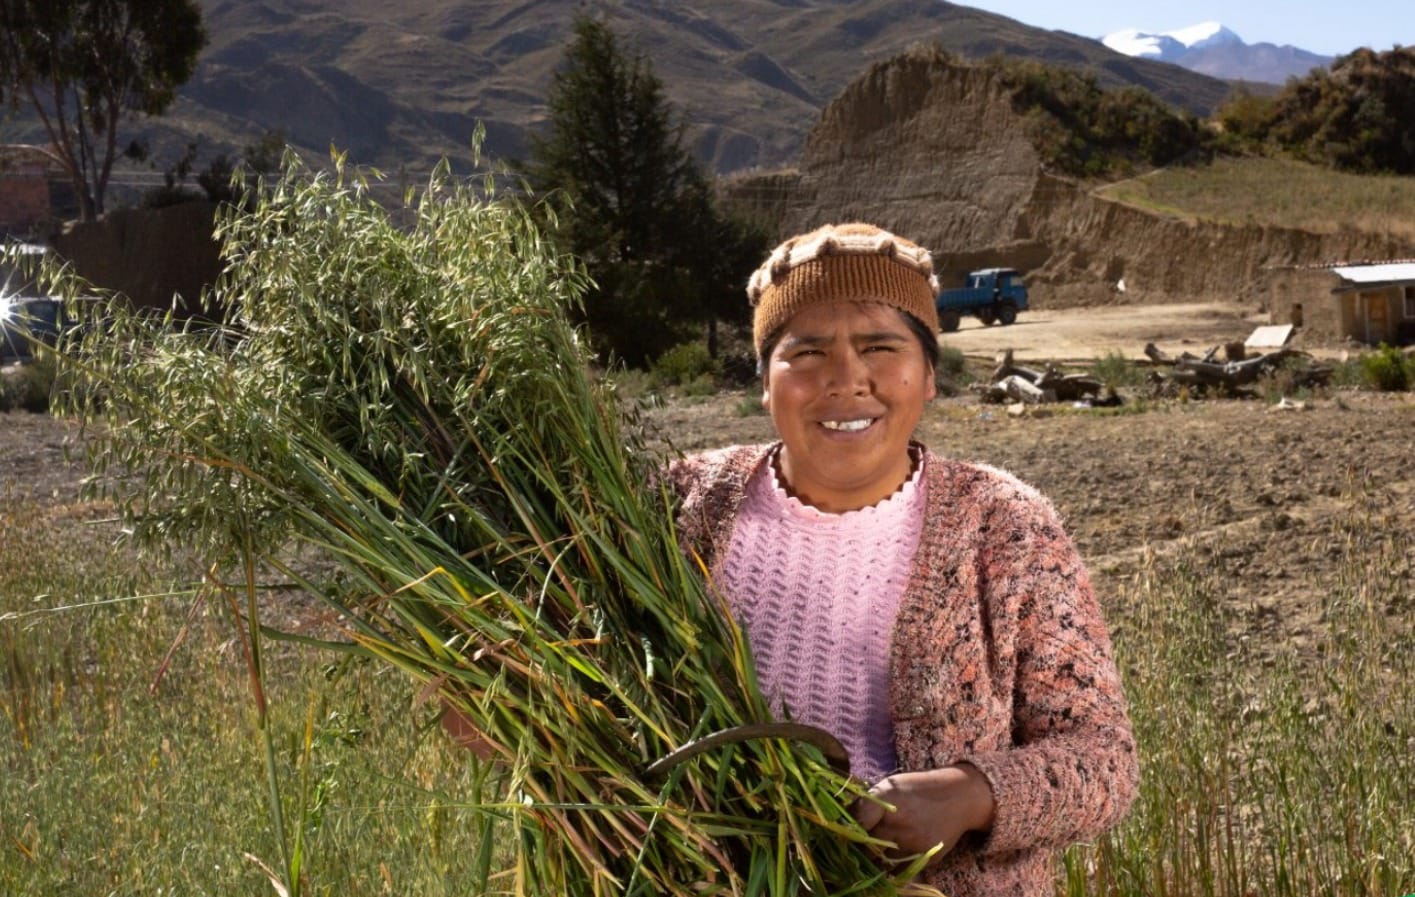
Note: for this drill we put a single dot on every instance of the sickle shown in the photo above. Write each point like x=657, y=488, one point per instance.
x=834, y=751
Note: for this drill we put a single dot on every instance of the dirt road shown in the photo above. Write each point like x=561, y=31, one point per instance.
x=1085, y=334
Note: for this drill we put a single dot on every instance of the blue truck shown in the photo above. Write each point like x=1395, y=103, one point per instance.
x=993, y=295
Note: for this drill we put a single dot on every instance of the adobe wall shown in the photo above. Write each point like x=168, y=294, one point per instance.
x=1304, y=297
x=24, y=203
x=149, y=255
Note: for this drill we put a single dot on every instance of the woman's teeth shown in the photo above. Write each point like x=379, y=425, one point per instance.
x=851, y=425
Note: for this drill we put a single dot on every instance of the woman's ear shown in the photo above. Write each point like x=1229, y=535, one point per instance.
x=931, y=391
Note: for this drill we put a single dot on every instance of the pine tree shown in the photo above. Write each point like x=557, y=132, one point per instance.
x=633, y=203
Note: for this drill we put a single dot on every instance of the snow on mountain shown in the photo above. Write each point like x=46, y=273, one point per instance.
x=1212, y=49
x=1134, y=42
x=1205, y=34
x=1167, y=45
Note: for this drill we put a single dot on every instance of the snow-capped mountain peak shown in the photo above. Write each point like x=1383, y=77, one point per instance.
x=1166, y=45
x=1214, y=50
x=1205, y=34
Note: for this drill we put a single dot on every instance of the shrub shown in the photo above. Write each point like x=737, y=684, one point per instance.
x=951, y=375
x=750, y=406
x=1114, y=370
x=1388, y=369
x=1085, y=130
x=684, y=364
x=1347, y=375
x=699, y=386
x=27, y=387
x=1295, y=378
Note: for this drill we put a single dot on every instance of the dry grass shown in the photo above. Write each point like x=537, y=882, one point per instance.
x=1278, y=193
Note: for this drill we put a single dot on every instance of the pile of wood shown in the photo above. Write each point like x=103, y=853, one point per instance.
x=1235, y=375
x=1011, y=382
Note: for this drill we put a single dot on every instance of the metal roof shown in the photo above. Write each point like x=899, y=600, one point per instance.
x=1391, y=272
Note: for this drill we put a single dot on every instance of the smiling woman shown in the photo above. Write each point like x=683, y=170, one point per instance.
x=845, y=386
x=932, y=615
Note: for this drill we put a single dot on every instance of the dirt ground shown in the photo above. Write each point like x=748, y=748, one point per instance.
x=1262, y=497
x=1084, y=334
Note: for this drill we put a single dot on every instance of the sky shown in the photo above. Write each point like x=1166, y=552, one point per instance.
x=1329, y=28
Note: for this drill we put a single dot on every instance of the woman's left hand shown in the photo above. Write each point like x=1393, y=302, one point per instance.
x=934, y=807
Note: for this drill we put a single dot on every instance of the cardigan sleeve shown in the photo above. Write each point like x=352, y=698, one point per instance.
x=1071, y=771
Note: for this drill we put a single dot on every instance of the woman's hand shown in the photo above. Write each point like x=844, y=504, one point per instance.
x=935, y=807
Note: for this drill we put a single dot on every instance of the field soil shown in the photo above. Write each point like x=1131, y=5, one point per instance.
x=1261, y=497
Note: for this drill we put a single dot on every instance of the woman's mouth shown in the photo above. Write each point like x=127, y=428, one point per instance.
x=848, y=426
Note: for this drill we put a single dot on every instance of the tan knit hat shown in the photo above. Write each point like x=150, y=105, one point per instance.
x=842, y=262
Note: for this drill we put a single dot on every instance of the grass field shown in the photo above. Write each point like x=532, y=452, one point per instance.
x=1267, y=770
x=1275, y=192
x=111, y=785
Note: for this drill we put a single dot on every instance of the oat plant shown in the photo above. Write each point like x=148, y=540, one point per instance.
x=407, y=406
x=1265, y=770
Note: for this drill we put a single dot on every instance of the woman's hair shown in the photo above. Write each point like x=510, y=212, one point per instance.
x=928, y=341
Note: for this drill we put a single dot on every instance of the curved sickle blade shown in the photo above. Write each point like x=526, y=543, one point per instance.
x=834, y=751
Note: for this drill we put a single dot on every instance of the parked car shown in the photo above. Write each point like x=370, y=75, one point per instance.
x=25, y=320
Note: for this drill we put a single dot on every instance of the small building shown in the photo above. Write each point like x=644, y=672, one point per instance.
x=1369, y=302
x=28, y=175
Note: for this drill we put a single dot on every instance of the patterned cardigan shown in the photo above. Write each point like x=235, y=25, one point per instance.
x=999, y=657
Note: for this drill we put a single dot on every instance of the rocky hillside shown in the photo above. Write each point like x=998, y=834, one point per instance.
x=399, y=85
x=933, y=147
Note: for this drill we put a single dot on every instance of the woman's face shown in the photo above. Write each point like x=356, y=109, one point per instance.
x=845, y=386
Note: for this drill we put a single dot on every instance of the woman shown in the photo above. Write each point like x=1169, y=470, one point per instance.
x=931, y=614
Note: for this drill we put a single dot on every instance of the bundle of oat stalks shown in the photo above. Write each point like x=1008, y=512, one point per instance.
x=412, y=401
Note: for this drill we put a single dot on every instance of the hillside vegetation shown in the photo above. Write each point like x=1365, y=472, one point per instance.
x=1084, y=129
x=1359, y=116
x=1276, y=192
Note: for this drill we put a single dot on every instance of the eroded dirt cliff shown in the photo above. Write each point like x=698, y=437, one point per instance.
x=933, y=147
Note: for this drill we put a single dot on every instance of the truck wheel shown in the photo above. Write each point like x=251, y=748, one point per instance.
x=1007, y=313
x=948, y=321
x=986, y=316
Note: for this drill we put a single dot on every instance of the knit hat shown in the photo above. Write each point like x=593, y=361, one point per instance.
x=850, y=262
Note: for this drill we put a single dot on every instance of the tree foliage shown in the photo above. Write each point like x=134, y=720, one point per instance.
x=633, y=203
x=85, y=65
x=1358, y=116
x=1085, y=130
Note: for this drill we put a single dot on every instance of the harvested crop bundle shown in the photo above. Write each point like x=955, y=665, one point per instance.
x=412, y=401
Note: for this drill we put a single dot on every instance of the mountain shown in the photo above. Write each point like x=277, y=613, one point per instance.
x=401, y=85
x=1212, y=49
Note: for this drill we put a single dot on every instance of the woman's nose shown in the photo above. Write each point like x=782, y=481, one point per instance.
x=849, y=375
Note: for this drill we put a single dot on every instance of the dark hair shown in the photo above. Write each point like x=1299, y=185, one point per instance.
x=928, y=341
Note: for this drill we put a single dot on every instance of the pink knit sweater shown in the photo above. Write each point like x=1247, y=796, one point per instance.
x=998, y=657
x=817, y=594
